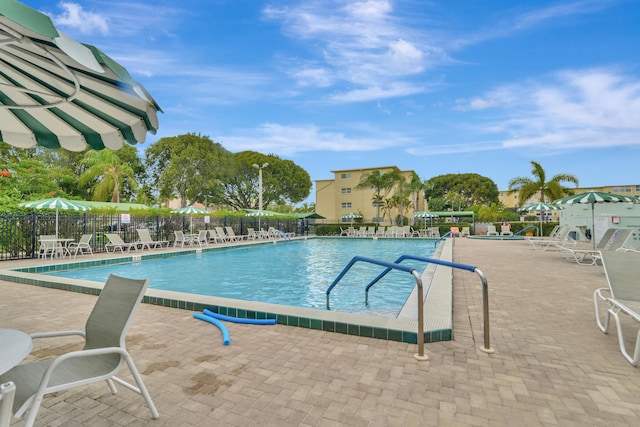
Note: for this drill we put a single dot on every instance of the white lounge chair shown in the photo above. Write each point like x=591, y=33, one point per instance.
x=491, y=230
x=561, y=238
x=612, y=239
x=222, y=235
x=252, y=234
x=622, y=296
x=201, y=239
x=84, y=244
x=181, y=239
x=102, y=357
x=213, y=236
x=147, y=240
x=115, y=242
x=232, y=235
x=466, y=232
x=505, y=230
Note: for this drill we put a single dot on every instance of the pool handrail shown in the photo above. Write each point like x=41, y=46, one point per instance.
x=401, y=258
x=397, y=266
x=471, y=268
x=444, y=236
x=525, y=229
x=414, y=273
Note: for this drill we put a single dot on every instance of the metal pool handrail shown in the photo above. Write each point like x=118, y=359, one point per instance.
x=447, y=234
x=525, y=229
x=396, y=266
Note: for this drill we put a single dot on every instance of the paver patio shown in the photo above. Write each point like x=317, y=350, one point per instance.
x=551, y=366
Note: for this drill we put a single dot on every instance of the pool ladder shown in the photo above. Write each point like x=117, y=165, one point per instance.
x=397, y=266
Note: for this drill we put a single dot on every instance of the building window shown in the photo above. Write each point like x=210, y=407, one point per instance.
x=345, y=175
x=346, y=204
x=346, y=191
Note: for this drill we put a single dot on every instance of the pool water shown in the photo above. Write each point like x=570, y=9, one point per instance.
x=295, y=273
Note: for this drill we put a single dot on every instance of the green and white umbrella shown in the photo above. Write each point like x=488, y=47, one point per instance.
x=352, y=216
x=58, y=93
x=539, y=207
x=260, y=213
x=592, y=197
x=425, y=215
x=56, y=203
x=190, y=210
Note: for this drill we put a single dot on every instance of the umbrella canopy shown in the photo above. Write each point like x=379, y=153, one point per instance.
x=56, y=203
x=260, y=213
x=58, y=93
x=539, y=207
x=592, y=197
x=425, y=215
x=351, y=216
x=421, y=214
x=191, y=211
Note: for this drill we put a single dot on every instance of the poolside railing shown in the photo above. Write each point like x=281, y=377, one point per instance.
x=420, y=294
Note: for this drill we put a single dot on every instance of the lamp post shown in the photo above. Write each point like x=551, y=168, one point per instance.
x=260, y=189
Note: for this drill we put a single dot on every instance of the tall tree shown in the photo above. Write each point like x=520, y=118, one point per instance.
x=470, y=188
x=282, y=181
x=380, y=183
x=106, y=175
x=188, y=167
x=549, y=190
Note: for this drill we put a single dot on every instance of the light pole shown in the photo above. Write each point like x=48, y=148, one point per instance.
x=260, y=189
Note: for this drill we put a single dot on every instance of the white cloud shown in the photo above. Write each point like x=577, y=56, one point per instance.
x=573, y=109
x=288, y=140
x=74, y=16
x=363, y=45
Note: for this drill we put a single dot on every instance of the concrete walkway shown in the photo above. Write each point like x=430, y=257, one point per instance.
x=551, y=365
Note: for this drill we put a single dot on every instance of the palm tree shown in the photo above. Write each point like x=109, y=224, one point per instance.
x=380, y=183
x=550, y=190
x=106, y=175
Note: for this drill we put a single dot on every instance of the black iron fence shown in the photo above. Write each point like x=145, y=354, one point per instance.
x=19, y=232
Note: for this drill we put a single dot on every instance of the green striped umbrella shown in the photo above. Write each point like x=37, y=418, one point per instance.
x=592, y=197
x=191, y=211
x=56, y=203
x=425, y=215
x=539, y=207
x=352, y=216
x=58, y=93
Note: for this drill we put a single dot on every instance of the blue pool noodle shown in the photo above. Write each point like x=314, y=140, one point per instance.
x=239, y=319
x=225, y=332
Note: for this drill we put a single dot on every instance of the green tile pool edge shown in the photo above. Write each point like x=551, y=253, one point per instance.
x=282, y=319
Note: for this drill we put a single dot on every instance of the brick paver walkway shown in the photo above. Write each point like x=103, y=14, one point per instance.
x=551, y=365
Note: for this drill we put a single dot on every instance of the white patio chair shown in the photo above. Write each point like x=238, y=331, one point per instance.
x=82, y=246
x=102, y=357
x=622, y=270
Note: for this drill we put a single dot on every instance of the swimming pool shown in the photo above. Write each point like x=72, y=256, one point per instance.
x=295, y=273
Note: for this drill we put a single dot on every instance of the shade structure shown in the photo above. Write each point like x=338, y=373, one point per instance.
x=58, y=93
x=540, y=207
x=56, y=203
x=591, y=198
x=191, y=211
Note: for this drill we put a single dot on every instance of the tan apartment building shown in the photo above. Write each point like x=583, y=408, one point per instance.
x=510, y=200
x=339, y=196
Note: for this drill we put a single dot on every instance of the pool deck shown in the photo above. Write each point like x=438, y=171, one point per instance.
x=551, y=365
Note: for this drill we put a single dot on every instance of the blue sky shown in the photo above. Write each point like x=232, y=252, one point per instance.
x=435, y=86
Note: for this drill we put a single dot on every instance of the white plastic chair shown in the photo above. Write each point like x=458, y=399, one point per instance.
x=102, y=357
